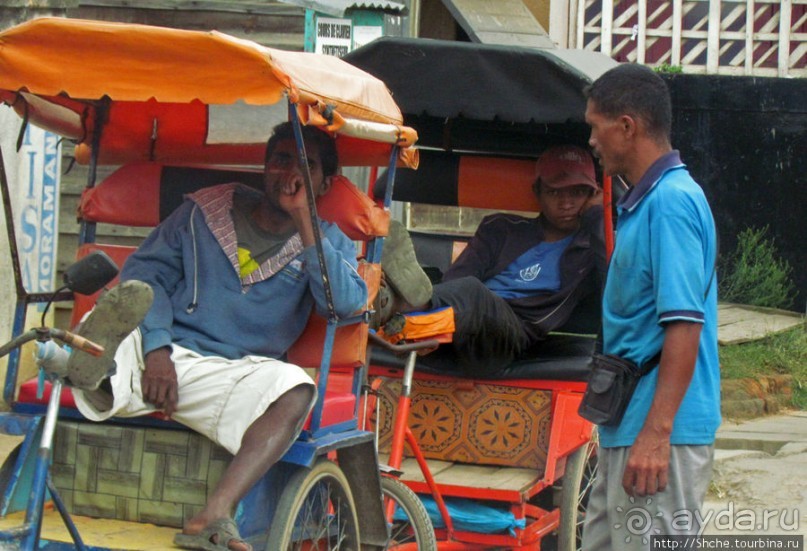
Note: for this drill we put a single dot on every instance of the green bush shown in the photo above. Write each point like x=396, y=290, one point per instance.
x=754, y=274
x=670, y=69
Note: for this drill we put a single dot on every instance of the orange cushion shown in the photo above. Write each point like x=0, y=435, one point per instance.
x=353, y=211
x=432, y=324
x=340, y=403
x=350, y=343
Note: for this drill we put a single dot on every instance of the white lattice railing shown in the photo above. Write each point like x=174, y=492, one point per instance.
x=734, y=37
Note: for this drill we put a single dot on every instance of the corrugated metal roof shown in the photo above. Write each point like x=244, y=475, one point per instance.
x=505, y=22
x=337, y=8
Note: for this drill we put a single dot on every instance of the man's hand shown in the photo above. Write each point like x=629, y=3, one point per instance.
x=293, y=200
x=594, y=200
x=649, y=460
x=292, y=197
x=648, y=464
x=159, y=381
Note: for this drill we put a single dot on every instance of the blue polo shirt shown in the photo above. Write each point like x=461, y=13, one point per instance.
x=662, y=263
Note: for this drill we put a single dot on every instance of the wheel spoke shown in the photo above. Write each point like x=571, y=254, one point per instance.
x=415, y=527
x=316, y=513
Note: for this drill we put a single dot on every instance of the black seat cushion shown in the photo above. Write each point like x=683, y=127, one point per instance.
x=560, y=357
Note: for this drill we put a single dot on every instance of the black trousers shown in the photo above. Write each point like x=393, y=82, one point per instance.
x=489, y=335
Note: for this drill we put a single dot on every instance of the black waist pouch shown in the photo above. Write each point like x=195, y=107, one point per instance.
x=610, y=387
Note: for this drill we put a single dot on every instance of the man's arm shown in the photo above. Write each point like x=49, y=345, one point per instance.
x=158, y=262
x=648, y=462
x=349, y=291
x=479, y=255
x=348, y=288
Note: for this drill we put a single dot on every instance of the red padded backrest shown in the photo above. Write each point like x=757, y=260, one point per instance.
x=350, y=344
x=139, y=194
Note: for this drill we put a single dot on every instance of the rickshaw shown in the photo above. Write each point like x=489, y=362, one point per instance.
x=169, y=108
x=509, y=447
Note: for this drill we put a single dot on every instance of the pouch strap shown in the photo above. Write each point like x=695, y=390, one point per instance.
x=650, y=364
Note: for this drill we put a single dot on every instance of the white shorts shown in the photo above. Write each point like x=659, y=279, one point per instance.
x=218, y=398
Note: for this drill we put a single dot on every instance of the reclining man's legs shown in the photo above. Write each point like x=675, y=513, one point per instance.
x=488, y=335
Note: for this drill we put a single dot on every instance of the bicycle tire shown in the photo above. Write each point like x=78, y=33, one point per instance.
x=316, y=511
x=581, y=467
x=418, y=527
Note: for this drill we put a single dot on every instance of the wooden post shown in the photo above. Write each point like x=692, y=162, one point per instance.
x=713, y=37
x=559, y=22
x=749, y=37
x=606, y=28
x=677, y=15
x=785, y=8
x=581, y=23
x=641, y=38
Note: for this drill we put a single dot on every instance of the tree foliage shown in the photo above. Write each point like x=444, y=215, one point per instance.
x=754, y=274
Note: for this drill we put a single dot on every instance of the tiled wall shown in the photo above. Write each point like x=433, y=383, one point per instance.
x=160, y=476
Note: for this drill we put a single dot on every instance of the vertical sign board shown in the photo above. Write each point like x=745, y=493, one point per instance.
x=33, y=177
x=333, y=36
x=38, y=222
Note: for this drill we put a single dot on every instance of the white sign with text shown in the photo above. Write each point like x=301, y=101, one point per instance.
x=333, y=36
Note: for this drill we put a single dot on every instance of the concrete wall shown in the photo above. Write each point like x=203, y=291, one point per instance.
x=743, y=141
x=9, y=128
x=272, y=24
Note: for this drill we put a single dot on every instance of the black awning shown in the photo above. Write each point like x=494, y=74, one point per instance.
x=453, y=92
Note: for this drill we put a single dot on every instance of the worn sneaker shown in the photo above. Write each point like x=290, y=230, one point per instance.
x=383, y=306
x=401, y=269
x=116, y=314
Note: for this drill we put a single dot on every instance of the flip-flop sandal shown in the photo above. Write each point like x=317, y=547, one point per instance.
x=116, y=314
x=224, y=529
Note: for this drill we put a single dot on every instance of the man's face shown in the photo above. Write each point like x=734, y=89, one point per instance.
x=607, y=141
x=561, y=207
x=282, y=175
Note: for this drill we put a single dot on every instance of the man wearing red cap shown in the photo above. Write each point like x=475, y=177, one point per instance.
x=520, y=278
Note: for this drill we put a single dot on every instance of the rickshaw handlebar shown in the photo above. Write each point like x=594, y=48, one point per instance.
x=77, y=342
x=44, y=333
x=406, y=347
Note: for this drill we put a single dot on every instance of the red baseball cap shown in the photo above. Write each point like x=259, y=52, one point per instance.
x=566, y=166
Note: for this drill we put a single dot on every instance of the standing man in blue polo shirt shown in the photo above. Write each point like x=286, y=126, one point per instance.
x=660, y=295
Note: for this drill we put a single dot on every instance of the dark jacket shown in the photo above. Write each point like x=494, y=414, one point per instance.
x=502, y=238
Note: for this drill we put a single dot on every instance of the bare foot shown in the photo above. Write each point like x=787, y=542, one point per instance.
x=222, y=531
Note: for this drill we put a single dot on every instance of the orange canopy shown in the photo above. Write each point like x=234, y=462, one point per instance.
x=187, y=96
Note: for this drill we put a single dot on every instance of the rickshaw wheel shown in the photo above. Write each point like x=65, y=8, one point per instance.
x=581, y=468
x=316, y=512
x=417, y=527
x=7, y=468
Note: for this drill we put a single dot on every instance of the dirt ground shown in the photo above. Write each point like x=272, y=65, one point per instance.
x=769, y=478
x=761, y=490
x=7, y=444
